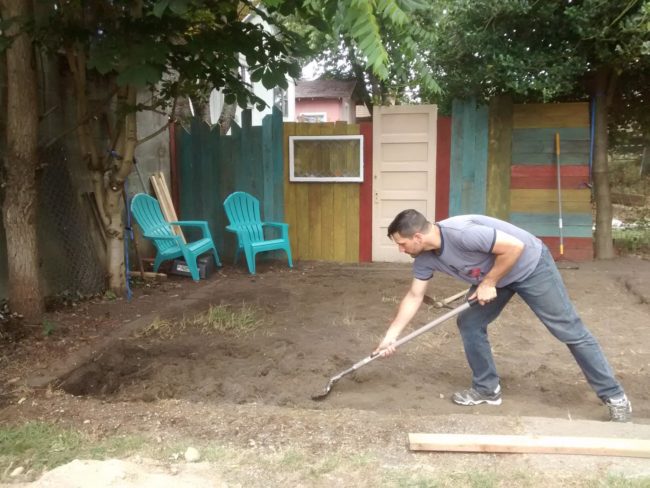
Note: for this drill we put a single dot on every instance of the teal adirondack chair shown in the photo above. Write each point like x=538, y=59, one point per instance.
x=146, y=211
x=243, y=211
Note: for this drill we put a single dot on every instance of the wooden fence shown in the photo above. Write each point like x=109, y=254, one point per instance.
x=327, y=221
x=210, y=166
x=504, y=164
x=323, y=217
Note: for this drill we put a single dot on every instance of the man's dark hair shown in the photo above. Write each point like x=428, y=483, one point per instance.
x=407, y=223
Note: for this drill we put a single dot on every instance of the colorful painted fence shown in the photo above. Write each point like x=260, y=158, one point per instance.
x=327, y=221
x=504, y=163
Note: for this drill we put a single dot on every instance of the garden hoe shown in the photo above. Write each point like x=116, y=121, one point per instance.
x=398, y=343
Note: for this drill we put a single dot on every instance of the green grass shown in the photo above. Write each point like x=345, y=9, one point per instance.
x=221, y=319
x=37, y=446
x=632, y=240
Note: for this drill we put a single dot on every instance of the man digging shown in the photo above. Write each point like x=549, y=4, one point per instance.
x=498, y=259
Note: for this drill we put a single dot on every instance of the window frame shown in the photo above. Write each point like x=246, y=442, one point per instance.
x=325, y=179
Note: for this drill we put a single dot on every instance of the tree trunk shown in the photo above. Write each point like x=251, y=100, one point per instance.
x=20, y=202
x=603, y=243
x=228, y=113
x=125, y=147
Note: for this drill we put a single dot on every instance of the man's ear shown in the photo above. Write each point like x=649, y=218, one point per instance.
x=418, y=237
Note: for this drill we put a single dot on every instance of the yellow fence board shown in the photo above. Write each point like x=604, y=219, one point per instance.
x=546, y=201
x=323, y=218
x=550, y=115
x=499, y=157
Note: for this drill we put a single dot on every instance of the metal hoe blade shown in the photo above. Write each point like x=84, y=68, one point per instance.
x=403, y=340
x=330, y=384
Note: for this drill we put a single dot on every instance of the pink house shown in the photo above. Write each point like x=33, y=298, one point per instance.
x=325, y=101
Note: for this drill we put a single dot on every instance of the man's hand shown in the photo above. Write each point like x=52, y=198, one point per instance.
x=485, y=292
x=407, y=309
x=386, y=347
x=506, y=250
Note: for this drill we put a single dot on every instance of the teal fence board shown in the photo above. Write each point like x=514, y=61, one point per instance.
x=566, y=159
x=573, y=224
x=548, y=134
x=469, y=153
x=211, y=166
x=547, y=146
x=537, y=146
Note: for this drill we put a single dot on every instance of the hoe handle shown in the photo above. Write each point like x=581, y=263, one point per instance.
x=412, y=335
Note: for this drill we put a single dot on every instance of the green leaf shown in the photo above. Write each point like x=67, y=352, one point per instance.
x=159, y=7
x=179, y=7
x=140, y=75
x=101, y=60
x=256, y=74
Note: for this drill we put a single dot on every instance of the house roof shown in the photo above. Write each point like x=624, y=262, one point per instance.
x=362, y=112
x=325, y=89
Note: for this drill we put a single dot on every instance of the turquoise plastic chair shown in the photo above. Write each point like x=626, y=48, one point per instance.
x=243, y=211
x=169, y=245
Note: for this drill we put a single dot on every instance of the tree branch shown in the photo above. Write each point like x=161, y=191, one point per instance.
x=627, y=8
x=154, y=133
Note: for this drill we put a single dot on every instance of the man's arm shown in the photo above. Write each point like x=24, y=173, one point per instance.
x=507, y=250
x=407, y=310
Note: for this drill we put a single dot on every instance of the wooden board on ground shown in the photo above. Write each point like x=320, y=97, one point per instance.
x=164, y=199
x=597, y=446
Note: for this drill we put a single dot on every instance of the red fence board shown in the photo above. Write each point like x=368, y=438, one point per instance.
x=575, y=248
x=365, y=196
x=545, y=176
x=443, y=156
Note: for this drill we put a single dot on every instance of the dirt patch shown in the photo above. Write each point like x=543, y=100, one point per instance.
x=319, y=320
x=316, y=320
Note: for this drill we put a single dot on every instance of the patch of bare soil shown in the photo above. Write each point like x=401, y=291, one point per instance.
x=318, y=319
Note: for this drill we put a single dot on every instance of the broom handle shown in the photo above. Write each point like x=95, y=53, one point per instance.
x=559, y=191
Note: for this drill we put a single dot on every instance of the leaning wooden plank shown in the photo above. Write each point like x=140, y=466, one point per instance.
x=168, y=197
x=169, y=204
x=169, y=213
x=157, y=185
x=597, y=446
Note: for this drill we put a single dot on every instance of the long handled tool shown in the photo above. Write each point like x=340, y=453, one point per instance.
x=559, y=204
x=403, y=340
x=559, y=192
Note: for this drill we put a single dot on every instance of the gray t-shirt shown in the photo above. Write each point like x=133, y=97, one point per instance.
x=466, y=250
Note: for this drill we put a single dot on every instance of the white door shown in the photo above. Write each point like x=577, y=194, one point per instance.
x=404, y=170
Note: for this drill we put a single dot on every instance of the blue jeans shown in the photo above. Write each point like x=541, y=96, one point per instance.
x=544, y=292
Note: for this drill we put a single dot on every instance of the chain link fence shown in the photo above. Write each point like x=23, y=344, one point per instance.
x=68, y=234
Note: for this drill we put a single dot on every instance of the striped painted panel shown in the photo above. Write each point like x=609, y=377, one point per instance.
x=573, y=225
x=545, y=176
x=534, y=175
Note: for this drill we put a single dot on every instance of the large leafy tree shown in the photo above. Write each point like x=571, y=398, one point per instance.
x=548, y=51
x=379, y=43
x=173, y=48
